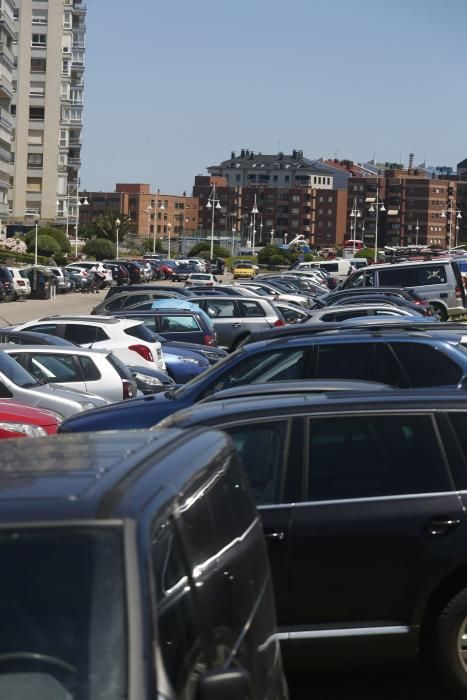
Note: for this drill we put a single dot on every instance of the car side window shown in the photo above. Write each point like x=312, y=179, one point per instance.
x=261, y=448
x=83, y=335
x=50, y=328
x=89, y=369
x=426, y=365
x=343, y=361
x=115, y=304
x=178, y=324
x=132, y=299
x=178, y=620
x=387, y=368
x=54, y=367
x=221, y=308
x=371, y=456
x=355, y=280
x=251, y=308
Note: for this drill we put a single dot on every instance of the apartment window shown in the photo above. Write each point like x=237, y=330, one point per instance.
x=63, y=141
x=39, y=40
x=329, y=199
x=295, y=210
x=287, y=179
x=329, y=212
x=35, y=137
x=13, y=110
x=67, y=20
x=295, y=198
x=39, y=17
x=36, y=89
x=34, y=184
x=66, y=67
x=36, y=113
x=35, y=160
x=38, y=65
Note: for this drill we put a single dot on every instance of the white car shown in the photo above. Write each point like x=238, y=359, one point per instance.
x=129, y=340
x=87, y=266
x=93, y=371
x=201, y=279
x=21, y=283
x=335, y=314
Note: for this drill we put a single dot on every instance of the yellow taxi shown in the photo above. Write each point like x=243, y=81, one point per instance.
x=244, y=270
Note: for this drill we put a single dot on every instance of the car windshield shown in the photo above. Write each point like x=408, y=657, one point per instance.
x=62, y=607
x=15, y=372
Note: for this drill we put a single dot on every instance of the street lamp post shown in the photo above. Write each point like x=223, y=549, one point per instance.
x=117, y=227
x=377, y=208
x=36, y=225
x=254, y=211
x=234, y=230
x=272, y=236
x=148, y=211
x=417, y=228
x=213, y=203
x=162, y=210
x=354, y=214
x=79, y=204
x=169, y=229
x=449, y=210
x=285, y=238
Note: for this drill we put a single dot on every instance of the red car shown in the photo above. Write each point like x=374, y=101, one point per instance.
x=17, y=420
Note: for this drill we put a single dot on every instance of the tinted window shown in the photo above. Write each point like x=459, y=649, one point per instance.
x=329, y=267
x=119, y=367
x=89, y=369
x=344, y=315
x=135, y=299
x=84, y=335
x=15, y=372
x=115, y=304
x=251, y=308
x=261, y=448
x=141, y=332
x=271, y=366
x=50, y=328
x=343, y=361
x=386, y=367
x=426, y=365
x=354, y=281
x=370, y=456
x=54, y=368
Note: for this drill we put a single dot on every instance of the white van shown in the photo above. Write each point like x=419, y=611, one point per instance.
x=437, y=281
x=338, y=268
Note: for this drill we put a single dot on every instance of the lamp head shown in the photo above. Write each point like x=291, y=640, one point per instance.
x=117, y=222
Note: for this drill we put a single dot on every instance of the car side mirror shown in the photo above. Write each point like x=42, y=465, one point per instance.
x=228, y=685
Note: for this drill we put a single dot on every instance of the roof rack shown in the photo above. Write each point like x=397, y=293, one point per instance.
x=87, y=319
x=377, y=327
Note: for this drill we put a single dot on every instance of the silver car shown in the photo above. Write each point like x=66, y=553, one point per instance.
x=93, y=371
x=236, y=317
x=332, y=314
x=17, y=384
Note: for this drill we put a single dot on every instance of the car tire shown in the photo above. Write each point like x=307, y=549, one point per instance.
x=439, y=312
x=450, y=651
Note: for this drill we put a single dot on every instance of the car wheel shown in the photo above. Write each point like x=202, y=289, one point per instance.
x=439, y=312
x=450, y=642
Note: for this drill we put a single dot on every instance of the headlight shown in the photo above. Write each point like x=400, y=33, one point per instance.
x=24, y=428
x=191, y=360
x=152, y=381
x=87, y=405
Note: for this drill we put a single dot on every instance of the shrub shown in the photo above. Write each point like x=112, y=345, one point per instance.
x=99, y=248
x=277, y=260
x=46, y=246
x=57, y=234
x=205, y=247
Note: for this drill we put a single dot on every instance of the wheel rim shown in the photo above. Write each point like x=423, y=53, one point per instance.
x=437, y=312
x=462, y=644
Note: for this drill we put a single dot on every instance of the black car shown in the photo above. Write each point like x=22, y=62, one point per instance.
x=120, y=274
x=182, y=272
x=133, y=269
x=108, y=590
x=364, y=507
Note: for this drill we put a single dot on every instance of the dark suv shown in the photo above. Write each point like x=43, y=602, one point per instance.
x=398, y=357
x=364, y=508
x=107, y=588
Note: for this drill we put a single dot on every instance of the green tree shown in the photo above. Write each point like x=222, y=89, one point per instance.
x=149, y=247
x=57, y=234
x=46, y=245
x=205, y=247
x=105, y=226
x=99, y=248
x=368, y=253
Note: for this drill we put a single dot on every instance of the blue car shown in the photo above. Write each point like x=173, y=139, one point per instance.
x=183, y=361
x=394, y=355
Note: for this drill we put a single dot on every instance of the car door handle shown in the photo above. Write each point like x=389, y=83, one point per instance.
x=274, y=537
x=441, y=526
x=236, y=325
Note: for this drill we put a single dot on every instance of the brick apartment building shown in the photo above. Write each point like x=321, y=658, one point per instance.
x=177, y=214
x=412, y=208
x=294, y=196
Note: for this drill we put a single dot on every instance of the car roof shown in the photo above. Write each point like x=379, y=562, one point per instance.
x=46, y=338
x=296, y=387
x=98, y=475
x=406, y=263
x=245, y=408
x=354, y=307
x=71, y=350
x=106, y=320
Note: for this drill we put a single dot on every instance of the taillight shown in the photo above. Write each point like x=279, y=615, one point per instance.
x=127, y=389
x=458, y=293
x=279, y=323
x=210, y=284
x=20, y=283
x=208, y=340
x=142, y=350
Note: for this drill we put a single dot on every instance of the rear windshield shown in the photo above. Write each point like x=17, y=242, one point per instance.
x=200, y=277
x=123, y=371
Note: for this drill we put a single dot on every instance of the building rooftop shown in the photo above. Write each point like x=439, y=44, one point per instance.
x=296, y=159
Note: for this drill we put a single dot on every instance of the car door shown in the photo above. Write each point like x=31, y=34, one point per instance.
x=226, y=318
x=270, y=449
x=378, y=520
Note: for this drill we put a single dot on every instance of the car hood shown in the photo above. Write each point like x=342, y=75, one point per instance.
x=180, y=347
x=14, y=411
x=125, y=415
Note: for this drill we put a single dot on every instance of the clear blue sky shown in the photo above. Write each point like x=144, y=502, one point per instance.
x=172, y=87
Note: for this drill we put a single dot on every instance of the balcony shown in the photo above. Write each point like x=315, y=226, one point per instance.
x=79, y=9
x=74, y=162
x=8, y=22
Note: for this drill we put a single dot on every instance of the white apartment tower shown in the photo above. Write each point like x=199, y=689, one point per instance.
x=47, y=109
x=7, y=65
